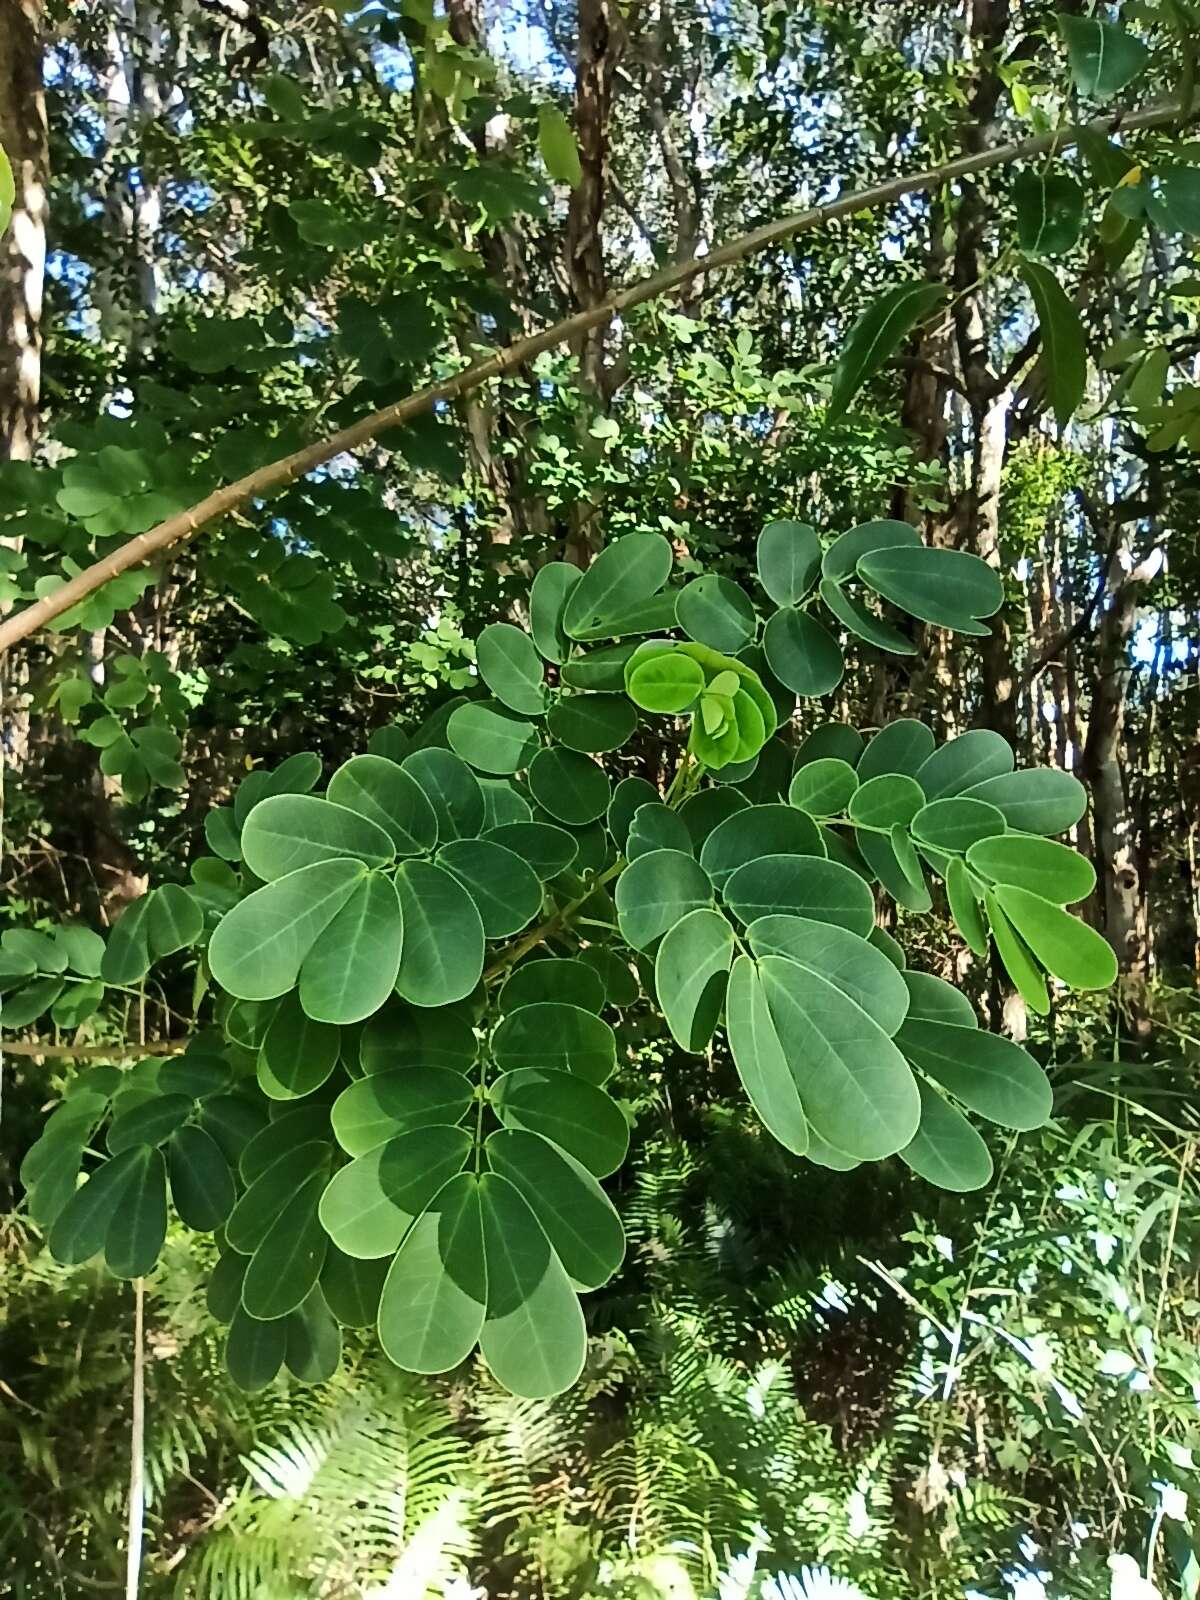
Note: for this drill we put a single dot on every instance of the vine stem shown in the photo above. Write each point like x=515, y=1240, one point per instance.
x=279, y=474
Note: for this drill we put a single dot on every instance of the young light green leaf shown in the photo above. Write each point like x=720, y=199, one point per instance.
x=557, y=147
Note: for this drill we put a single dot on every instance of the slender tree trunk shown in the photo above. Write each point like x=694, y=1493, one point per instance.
x=1122, y=901
x=586, y=272
x=23, y=135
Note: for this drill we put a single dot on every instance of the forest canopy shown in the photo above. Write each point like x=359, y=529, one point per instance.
x=600, y=660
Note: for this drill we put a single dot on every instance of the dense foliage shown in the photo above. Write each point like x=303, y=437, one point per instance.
x=617, y=824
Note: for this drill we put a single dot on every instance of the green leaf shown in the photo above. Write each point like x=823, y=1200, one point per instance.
x=899, y=873
x=492, y=739
x=1064, y=349
x=931, y=999
x=385, y=1104
x=964, y=908
x=875, y=336
x=557, y=147
x=274, y=1188
x=841, y=560
x=442, y=956
x=534, y=1339
x=502, y=804
x=221, y=833
x=509, y=665
x=568, y=1110
x=759, y=1057
x=575, y=1214
x=257, y=949
x=287, y=832
x=407, y=1036
x=378, y=789
x=553, y=978
x=552, y=586
x=173, y=921
x=957, y=823
x=592, y=723
x=451, y=789
x=963, y=762
x=890, y=798
x=505, y=889
x=801, y=886
x=621, y=987
x=853, y=614
x=843, y=959
x=690, y=974
x=297, y=775
x=855, y=1086
x=946, y=1150
x=139, y=1222
x=370, y=1204
x=1104, y=58
x=823, y=788
x=569, y=785
x=1175, y=203
x=547, y=849
x=556, y=1037
x=989, y=1074
x=18, y=1010
x=657, y=827
x=1017, y=958
x=666, y=682
x=774, y=830
x=353, y=964
x=150, y=1121
x=624, y=574
x=254, y=1350
x=717, y=612
x=234, y=1122
x=601, y=670
x=287, y=1263
x=201, y=1182
x=1067, y=947
x=949, y=587
x=1049, y=212
x=902, y=746
x=127, y=954
x=1038, y=800
x=802, y=653
x=298, y=1053
x=789, y=558
x=432, y=1307
x=1051, y=870
x=80, y=1228
x=314, y=1341
x=352, y=1289
x=655, y=892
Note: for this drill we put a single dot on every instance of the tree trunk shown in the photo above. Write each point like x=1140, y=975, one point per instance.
x=24, y=137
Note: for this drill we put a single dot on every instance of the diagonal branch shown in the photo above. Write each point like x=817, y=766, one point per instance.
x=279, y=474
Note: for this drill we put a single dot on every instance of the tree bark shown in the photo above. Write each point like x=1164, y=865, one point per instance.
x=22, y=276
